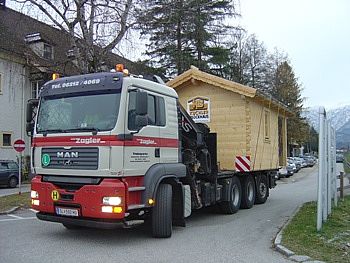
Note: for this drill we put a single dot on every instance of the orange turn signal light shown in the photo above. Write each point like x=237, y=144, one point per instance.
x=119, y=67
x=55, y=76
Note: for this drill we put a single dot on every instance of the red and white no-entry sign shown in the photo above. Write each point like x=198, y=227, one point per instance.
x=19, y=145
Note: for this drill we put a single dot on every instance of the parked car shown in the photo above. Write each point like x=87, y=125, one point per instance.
x=291, y=167
x=8, y=173
x=282, y=172
x=310, y=161
x=302, y=161
x=297, y=163
x=285, y=172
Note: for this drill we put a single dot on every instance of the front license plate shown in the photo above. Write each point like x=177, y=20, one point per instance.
x=67, y=211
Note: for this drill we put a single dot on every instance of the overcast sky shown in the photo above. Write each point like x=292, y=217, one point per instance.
x=316, y=36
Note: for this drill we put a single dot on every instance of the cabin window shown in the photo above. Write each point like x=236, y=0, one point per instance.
x=267, y=119
x=6, y=139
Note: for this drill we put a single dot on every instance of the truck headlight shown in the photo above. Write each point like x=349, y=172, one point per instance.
x=34, y=194
x=112, y=200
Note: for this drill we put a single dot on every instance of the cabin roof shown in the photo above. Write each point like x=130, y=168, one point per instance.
x=194, y=74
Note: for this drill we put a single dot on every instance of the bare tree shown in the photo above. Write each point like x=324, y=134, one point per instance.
x=95, y=27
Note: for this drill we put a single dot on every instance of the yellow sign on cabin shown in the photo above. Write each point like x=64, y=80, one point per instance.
x=199, y=109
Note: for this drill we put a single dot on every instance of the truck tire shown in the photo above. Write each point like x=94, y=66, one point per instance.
x=12, y=182
x=248, y=191
x=232, y=206
x=162, y=224
x=262, y=189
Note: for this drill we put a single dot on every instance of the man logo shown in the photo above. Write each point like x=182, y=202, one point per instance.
x=55, y=195
x=67, y=154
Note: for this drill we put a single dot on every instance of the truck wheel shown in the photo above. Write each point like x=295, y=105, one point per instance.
x=13, y=182
x=162, y=224
x=262, y=190
x=232, y=206
x=248, y=191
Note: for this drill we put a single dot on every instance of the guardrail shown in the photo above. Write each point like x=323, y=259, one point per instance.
x=342, y=186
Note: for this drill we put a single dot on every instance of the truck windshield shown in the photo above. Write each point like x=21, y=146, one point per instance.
x=96, y=112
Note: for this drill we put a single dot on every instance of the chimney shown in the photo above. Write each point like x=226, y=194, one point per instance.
x=2, y=4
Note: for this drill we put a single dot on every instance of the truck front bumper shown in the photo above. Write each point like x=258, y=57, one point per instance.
x=86, y=222
x=87, y=201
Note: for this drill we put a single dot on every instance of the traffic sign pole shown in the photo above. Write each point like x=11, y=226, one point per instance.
x=20, y=173
x=19, y=146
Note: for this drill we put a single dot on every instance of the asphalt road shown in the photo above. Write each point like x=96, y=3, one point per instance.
x=209, y=237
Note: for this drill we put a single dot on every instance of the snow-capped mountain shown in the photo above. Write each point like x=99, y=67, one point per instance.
x=339, y=118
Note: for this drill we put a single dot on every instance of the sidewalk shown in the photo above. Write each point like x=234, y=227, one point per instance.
x=10, y=191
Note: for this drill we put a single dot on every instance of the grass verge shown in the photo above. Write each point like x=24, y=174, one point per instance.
x=7, y=202
x=332, y=244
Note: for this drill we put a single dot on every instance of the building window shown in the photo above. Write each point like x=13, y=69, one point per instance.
x=36, y=86
x=6, y=139
x=48, y=51
x=267, y=125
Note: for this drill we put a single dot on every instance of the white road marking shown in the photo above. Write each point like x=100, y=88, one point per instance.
x=33, y=210
x=18, y=217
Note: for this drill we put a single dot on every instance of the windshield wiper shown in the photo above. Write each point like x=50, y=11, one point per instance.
x=92, y=129
x=45, y=132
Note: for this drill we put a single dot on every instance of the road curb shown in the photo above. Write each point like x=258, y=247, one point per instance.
x=284, y=250
x=10, y=211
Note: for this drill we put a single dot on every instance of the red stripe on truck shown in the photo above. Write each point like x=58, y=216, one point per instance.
x=104, y=140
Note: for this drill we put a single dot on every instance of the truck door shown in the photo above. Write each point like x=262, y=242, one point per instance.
x=169, y=130
x=143, y=150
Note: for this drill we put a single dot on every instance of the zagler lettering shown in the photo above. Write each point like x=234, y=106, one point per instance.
x=147, y=141
x=88, y=140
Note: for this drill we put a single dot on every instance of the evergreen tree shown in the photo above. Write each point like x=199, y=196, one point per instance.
x=183, y=33
x=287, y=90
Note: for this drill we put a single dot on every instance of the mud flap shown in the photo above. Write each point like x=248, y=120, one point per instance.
x=178, y=205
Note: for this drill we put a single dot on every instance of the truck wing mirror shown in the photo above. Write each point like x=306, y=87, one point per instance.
x=141, y=103
x=31, y=104
x=141, y=121
x=30, y=128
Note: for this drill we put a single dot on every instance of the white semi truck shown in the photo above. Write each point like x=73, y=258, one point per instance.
x=110, y=149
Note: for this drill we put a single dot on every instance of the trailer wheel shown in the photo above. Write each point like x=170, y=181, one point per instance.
x=262, y=190
x=232, y=206
x=248, y=191
x=162, y=212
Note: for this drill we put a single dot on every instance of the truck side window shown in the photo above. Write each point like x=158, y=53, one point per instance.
x=160, y=112
x=132, y=111
x=155, y=111
x=151, y=111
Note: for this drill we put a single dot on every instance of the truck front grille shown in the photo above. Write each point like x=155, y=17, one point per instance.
x=77, y=158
